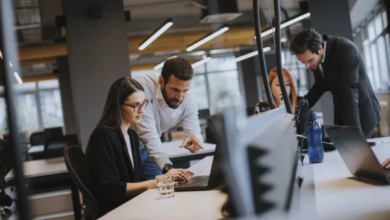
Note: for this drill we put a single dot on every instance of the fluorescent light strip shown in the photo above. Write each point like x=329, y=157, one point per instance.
x=252, y=54
x=160, y=65
x=285, y=24
x=206, y=39
x=200, y=62
x=155, y=35
x=1, y=55
x=20, y=81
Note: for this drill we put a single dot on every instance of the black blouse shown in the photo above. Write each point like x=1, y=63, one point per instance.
x=110, y=166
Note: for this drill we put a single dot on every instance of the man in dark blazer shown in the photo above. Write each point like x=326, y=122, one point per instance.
x=339, y=68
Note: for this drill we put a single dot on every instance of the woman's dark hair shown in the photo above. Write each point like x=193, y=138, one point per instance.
x=308, y=39
x=177, y=66
x=118, y=93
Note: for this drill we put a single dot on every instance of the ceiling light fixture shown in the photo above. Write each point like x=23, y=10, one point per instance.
x=252, y=54
x=20, y=81
x=285, y=24
x=207, y=38
x=167, y=24
x=200, y=62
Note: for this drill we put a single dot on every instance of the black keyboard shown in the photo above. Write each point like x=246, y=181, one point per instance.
x=198, y=181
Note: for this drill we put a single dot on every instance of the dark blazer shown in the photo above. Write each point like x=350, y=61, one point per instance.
x=110, y=166
x=355, y=103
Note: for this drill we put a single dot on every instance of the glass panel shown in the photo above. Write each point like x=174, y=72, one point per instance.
x=198, y=88
x=27, y=112
x=224, y=83
x=375, y=66
x=200, y=69
x=221, y=64
x=26, y=87
x=371, y=31
x=3, y=117
x=384, y=18
x=378, y=25
x=48, y=84
x=367, y=59
x=384, y=73
x=51, y=108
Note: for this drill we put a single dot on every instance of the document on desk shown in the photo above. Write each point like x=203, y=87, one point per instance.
x=203, y=167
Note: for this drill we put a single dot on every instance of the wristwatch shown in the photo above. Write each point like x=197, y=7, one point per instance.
x=166, y=168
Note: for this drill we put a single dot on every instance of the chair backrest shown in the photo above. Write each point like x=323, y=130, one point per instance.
x=54, y=132
x=79, y=172
x=38, y=138
x=54, y=147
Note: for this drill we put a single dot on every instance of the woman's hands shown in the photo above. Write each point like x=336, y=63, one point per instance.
x=180, y=174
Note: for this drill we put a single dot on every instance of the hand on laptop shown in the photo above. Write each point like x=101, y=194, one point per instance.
x=180, y=174
x=192, y=144
x=386, y=163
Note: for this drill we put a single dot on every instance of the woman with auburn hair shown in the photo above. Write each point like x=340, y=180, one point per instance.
x=277, y=92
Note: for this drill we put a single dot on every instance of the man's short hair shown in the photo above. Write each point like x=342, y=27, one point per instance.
x=177, y=66
x=308, y=39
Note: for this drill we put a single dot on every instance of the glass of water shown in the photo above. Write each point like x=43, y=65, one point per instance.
x=166, y=186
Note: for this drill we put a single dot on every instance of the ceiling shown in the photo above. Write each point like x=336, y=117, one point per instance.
x=36, y=24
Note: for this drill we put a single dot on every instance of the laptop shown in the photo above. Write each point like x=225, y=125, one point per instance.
x=212, y=181
x=357, y=153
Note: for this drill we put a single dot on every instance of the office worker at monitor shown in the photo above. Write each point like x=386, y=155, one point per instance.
x=113, y=148
x=277, y=92
x=171, y=103
x=338, y=68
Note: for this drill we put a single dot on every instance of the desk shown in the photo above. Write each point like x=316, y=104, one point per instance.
x=36, y=149
x=46, y=172
x=329, y=193
x=338, y=197
x=186, y=205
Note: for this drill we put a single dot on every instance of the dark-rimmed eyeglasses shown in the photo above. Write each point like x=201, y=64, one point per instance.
x=137, y=107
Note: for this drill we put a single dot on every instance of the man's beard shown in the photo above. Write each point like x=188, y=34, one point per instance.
x=169, y=101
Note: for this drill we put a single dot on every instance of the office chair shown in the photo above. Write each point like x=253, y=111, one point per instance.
x=78, y=171
x=38, y=138
x=54, y=147
x=54, y=132
x=5, y=167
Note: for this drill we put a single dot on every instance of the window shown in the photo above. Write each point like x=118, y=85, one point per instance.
x=375, y=44
x=217, y=76
x=38, y=106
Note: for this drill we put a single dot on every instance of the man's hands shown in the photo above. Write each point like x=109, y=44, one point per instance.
x=180, y=174
x=386, y=163
x=192, y=144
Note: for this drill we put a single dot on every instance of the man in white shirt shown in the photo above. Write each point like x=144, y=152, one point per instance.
x=170, y=103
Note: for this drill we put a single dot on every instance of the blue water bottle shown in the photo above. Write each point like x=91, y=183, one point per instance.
x=314, y=139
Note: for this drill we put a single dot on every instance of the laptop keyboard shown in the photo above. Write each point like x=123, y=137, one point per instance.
x=387, y=172
x=198, y=181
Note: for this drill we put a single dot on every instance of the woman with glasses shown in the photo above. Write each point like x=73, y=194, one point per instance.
x=113, y=148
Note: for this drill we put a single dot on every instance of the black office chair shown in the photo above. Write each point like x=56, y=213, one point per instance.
x=78, y=171
x=54, y=147
x=38, y=138
x=54, y=132
x=5, y=167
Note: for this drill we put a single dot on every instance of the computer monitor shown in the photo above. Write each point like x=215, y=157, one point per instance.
x=260, y=158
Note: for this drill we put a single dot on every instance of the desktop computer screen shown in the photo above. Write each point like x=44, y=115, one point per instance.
x=260, y=157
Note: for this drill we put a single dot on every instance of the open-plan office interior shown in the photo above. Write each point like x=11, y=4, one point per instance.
x=194, y=109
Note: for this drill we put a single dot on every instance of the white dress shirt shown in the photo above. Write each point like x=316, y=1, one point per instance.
x=158, y=117
x=322, y=61
x=128, y=144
